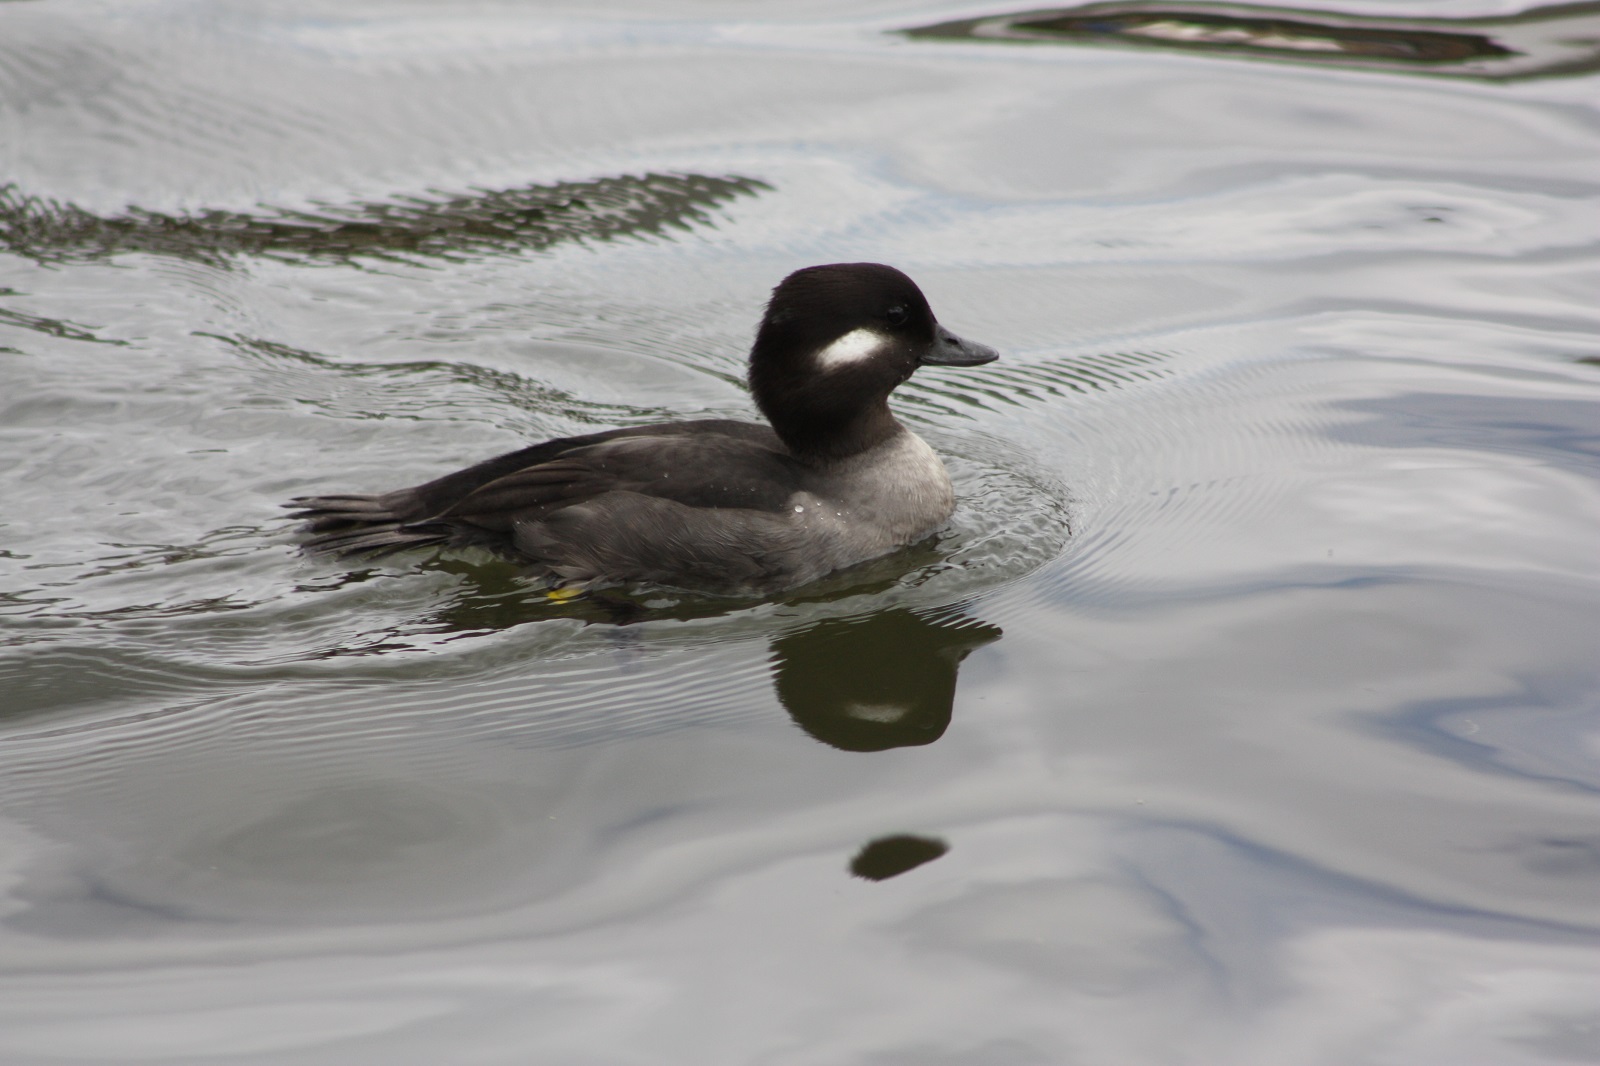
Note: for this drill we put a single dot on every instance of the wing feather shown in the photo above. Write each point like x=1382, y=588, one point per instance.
x=704, y=474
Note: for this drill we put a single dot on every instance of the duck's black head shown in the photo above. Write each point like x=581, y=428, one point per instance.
x=835, y=341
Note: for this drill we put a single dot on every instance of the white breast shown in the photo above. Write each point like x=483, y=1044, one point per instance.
x=892, y=495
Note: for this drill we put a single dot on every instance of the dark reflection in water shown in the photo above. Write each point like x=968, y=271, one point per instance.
x=422, y=384
x=495, y=593
x=408, y=228
x=1563, y=856
x=1543, y=42
x=1561, y=433
x=53, y=327
x=862, y=683
x=884, y=681
x=892, y=856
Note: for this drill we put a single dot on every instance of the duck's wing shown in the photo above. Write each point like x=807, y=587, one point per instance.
x=441, y=495
x=701, y=510
x=701, y=470
x=699, y=464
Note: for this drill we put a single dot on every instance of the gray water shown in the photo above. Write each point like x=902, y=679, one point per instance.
x=1247, y=712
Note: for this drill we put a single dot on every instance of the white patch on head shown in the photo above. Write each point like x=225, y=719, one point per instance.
x=854, y=347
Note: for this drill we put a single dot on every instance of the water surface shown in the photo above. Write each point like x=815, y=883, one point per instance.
x=1246, y=711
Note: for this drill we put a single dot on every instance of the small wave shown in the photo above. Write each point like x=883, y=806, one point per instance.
x=406, y=229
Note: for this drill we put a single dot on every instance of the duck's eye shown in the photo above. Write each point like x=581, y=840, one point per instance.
x=897, y=315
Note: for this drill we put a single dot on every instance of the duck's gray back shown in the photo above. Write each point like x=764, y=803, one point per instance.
x=842, y=514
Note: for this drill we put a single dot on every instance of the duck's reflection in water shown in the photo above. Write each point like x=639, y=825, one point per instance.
x=863, y=683
x=892, y=856
x=884, y=681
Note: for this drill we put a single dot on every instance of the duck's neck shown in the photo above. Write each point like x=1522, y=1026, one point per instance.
x=821, y=441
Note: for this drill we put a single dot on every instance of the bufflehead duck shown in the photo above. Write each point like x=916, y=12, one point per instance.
x=714, y=505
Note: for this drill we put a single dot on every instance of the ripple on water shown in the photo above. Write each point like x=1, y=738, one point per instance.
x=1172, y=457
x=408, y=229
x=1541, y=42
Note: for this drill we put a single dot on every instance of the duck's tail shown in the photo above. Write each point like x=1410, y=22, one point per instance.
x=362, y=525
